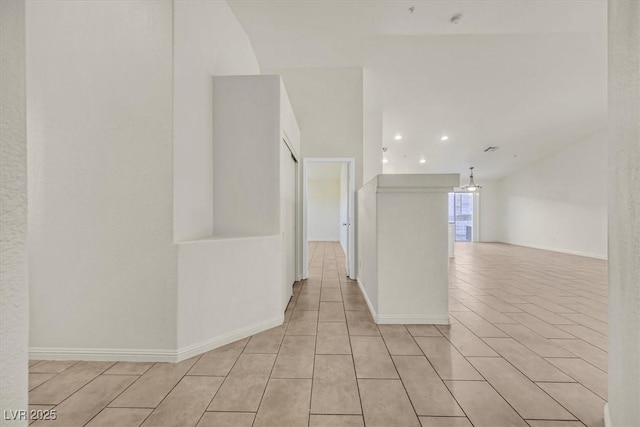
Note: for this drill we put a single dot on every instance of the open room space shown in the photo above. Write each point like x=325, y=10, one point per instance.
x=528, y=339
x=312, y=213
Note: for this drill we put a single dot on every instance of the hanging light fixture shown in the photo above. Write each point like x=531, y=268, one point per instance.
x=472, y=185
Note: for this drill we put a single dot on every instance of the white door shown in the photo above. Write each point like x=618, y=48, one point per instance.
x=345, y=222
x=289, y=168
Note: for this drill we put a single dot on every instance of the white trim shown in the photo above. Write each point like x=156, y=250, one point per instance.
x=382, y=319
x=196, y=349
x=351, y=240
x=103, y=354
x=412, y=320
x=150, y=355
x=413, y=189
x=607, y=416
x=366, y=298
x=562, y=251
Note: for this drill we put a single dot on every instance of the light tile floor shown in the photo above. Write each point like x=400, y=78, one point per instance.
x=527, y=346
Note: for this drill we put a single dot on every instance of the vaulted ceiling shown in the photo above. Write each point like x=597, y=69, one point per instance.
x=526, y=76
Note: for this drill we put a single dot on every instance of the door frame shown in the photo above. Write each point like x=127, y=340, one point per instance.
x=351, y=195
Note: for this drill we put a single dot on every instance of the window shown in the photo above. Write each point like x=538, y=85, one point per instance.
x=461, y=214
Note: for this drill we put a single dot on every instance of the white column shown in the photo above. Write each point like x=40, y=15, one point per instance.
x=14, y=305
x=623, y=408
x=404, y=247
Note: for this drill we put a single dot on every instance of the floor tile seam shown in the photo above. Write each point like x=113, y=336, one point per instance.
x=37, y=373
x=517, y=341
x=232, y=365
x=568, y=374
x=313, y=370
x=212, y=397
x=268, y=377
x=585, y=360
x=554, y=313
x=174, y=386
x=443, y=381
x=83, y=386
x=118, y=395
x=404, y=387
x=355, y=373
x=235, y=362
x=584, y=326
x=537, y=318
x=122, y=375
x=475, y=335
x=534, y=382
x=511, y=337
x=575, y=339
x=507, y=361
x=55, y=374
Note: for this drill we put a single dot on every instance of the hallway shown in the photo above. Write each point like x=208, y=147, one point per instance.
x=527, y=341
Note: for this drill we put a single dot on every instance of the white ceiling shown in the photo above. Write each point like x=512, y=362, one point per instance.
x=324, y=171
x=528, y=76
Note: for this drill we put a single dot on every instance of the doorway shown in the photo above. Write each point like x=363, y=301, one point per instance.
x=461, y=215
x=288, y=214
x=328, y=207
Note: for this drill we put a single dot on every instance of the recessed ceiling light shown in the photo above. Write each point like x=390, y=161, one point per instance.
x=444, y=138
x=397, y=137
x=385, y=161
x=423, y=161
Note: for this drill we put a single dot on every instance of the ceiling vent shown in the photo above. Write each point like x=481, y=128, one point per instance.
x=490, y=149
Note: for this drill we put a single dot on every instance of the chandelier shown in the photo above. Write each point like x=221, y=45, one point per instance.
x=472, y=185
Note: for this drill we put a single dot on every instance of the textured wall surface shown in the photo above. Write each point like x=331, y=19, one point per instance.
x=14, y=309
x=102, y=264
x=208, y=41
x=624, y=213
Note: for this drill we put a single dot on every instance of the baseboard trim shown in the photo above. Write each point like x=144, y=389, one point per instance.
x=150, y=355
x=412, y=320
x=382, y=319
x=202, y=347
x=366, y=298
x=562, y=251
x=102, y=354
x=607, y=416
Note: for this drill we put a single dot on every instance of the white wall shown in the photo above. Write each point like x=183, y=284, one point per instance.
x=14, y=307
x=367, y=242
x=372, y=126
x=344, y=206
x=323, y=204
x=225, y=184
x=560, y=202
x=328, y=106
x=624, y=213
x=101, y=261
x=208, y=41
x=246, y=156
x=222, y=300
x=490, y=217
